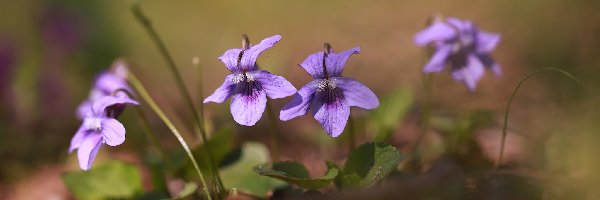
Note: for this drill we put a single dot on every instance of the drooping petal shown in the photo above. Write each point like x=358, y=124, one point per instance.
x=436, y=32
x=99, y=107
x=469, y=74
x=224, y=91
x=313, y=64
x=230, y=59
x=275, y=86
x=108, y=83
x=300, y=104
x=490, y=63
x=247, y=108
x=88, y=150
x=113, y=132
x=335, y=61
x=357, y=94
x=84, y=109
x=487, y=42
x=249, y=57
x=459, y=24
x=332, y=115
x=438, y=60
x=78, y=138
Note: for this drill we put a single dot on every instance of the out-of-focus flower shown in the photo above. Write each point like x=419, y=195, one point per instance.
x=106, y=83
x=100, y=127
x=463, y=46
x=247, y=85
x=330, y=95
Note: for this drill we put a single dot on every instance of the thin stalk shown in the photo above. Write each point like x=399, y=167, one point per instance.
x=274, y=132
x=144, y=124
x=426, y=110
x=137, y=12
x=196, y=63
x=512, y=96
x=351, y=135
x=200, y=85
x=137, y=85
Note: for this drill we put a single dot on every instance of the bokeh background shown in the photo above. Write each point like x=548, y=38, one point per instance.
x=50, y=52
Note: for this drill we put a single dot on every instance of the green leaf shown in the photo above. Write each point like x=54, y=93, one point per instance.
x=392, y=109
x=367, y=165
x=240, y=175
x=112, y=180
x=187, y=190
x=295, y=173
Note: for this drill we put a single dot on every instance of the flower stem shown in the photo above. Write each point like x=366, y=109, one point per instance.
x=137, y=12
x=274, y=132
x=512, y=96
x=425, y=113
x=351, y=135
x=144, y=94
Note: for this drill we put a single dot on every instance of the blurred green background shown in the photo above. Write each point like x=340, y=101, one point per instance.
x=50, y=52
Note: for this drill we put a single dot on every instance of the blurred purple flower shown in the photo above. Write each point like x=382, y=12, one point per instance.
x=461, y=44
x=100, y=127
x=247, y=85
x=330, y=95
x=106, y=83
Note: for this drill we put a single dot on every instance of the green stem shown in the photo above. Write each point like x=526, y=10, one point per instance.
x=137, y=12
x=274, y=132
x=512, y=96
x=144, y=94
x=426, y=111
x=351, y=135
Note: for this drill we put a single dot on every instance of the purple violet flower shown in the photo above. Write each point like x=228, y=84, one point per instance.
x=247, y=85
x=330, y=95
x=106, y=83
x=100, y=127
x=461, y=44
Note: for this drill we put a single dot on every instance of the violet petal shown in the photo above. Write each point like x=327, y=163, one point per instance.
x=332, y=115
x=99, y=106
x=88, y=150
x=300, y=104
x=437, y=31
x=313, y=64
x=275, y=86
x=249, y=58
x=223, y=92
x=78, y=138
x=113, y=132
x=230, y=59
x=487, y=42
x=469, y=74
x=438, y=60
x=335, y=61
x=248, y=108
x=357, y=94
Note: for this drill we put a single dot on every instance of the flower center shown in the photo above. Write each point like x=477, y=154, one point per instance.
x=93, y=123
x=242, y=77
x=326, y=84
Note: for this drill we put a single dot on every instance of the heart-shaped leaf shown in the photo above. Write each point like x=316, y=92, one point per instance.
x=295, y=173
x=239, y=175
x=367, y=165
x=112, y=180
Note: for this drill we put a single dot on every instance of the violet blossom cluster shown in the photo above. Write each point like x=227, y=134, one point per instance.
x=107, y=100
x=461, y=45
x=457, y=43
x=329, y=96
